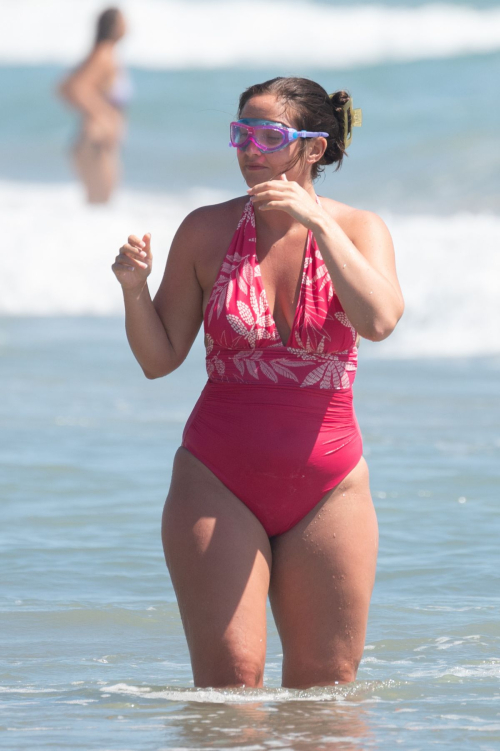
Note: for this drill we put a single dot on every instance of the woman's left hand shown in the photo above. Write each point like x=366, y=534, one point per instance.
x=282, y=195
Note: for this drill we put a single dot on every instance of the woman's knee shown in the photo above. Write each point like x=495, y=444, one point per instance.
x=229, y=673
x=309, y=673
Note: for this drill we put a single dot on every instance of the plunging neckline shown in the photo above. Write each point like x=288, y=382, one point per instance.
x=306, y=254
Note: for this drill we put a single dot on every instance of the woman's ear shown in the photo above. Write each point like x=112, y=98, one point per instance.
x=317, y=147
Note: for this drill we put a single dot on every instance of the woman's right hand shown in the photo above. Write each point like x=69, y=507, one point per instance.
x=133, y=264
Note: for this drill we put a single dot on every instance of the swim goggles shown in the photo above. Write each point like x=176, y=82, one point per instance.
x=266, y=135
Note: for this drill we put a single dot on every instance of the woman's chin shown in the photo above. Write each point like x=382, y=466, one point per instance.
x=254, y=176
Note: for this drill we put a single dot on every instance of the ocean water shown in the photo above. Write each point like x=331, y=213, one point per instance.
x=92, y=650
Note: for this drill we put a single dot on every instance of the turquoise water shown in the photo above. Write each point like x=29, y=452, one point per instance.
x=92, y=648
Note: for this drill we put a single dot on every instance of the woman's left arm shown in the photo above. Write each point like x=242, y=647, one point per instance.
x=363, y=269
x=363, y=272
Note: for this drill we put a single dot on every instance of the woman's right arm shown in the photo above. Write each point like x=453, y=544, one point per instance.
x=161, y=332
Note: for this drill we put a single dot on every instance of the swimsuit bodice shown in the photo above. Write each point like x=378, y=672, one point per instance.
x=120, y=92
x=241, y=338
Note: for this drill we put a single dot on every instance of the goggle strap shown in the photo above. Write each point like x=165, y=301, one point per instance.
x=310, y=134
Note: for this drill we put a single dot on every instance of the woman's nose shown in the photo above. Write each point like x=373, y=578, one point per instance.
x=251, y=148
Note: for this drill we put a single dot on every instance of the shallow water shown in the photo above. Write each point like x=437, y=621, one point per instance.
x=93, y=654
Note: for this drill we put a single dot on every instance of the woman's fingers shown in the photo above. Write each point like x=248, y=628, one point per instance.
x=133, y=248
x=270, y=205
x=271, y=195
x=134, y=262
x=265, y=194
x=136, y=241
x=134, y=255
x=143, y=247
x=280, y=183
x=262, y=187
x=119, y=265
x=147, y=244
x=133, y=252
x=131, y=258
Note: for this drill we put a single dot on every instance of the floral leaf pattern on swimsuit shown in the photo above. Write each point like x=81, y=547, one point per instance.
x=242, y=340
x=270, y=369
x=330, y=375
x=223, y=288
x=311, y=332
x=341, y=316
x=214, y=363
x=323, y=274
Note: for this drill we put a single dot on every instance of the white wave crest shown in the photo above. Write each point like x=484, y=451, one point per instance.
x=244, y=695
x=62, y=249
x=223, y=33
x=58, y=253
x=484, y=670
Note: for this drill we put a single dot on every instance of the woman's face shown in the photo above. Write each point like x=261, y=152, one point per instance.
x=257, y=166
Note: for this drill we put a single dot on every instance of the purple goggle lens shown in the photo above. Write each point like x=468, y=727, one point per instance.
x=266, y=136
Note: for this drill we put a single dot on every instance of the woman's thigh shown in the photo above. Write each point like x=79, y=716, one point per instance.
x=219, y=559
x=97, y=166
x=321, y=584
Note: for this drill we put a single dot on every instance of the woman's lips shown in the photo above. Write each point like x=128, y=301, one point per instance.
x=255, y=166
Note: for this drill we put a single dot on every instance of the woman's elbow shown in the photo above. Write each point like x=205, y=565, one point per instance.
x=380, y=333
x=160, y=372
x=152, y=375
x=381, y=329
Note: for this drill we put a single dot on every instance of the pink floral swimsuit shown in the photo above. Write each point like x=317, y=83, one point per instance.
x=275, y=421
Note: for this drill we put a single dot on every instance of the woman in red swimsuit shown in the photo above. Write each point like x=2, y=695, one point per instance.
x=270, y=491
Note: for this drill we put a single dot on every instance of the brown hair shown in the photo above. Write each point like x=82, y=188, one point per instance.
x=312, y=109
x=106, y=25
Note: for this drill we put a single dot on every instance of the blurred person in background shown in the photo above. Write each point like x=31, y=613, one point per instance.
x=99, y=89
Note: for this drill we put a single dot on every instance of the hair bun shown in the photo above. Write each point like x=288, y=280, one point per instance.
x=338, y=99
x=348, y=117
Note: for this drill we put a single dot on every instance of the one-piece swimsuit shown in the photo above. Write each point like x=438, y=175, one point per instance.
x=275, y=422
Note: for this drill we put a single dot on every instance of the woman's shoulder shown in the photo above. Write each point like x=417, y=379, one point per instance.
x=217, y=212
x=205, y=235
x=354, y=221
x=213, y=222
x=343, y=212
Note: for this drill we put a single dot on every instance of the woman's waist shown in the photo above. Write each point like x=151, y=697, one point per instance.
x=291, y=368
x=233, y=392
x=255, y=411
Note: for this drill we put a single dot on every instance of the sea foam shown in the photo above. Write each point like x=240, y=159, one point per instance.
x=223, y=33
x=58, y=253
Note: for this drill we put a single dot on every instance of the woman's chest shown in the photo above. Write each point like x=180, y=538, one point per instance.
x=280, y=266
